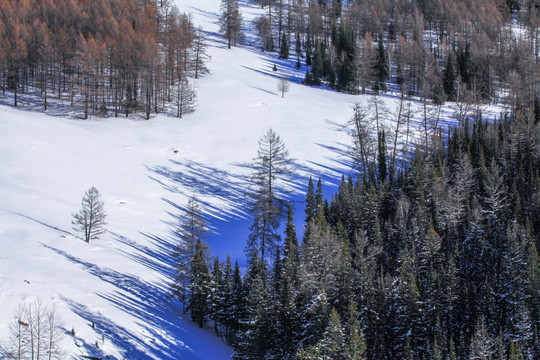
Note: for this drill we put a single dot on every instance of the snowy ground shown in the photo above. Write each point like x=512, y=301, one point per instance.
x=145, y=171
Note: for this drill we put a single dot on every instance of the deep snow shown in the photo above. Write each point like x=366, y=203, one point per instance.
x=146, y=171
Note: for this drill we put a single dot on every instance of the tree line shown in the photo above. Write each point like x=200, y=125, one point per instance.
x=103, y=57
x=438, y=261
x=442, y=50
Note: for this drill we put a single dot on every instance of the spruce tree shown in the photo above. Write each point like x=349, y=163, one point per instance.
x=381, y=158
x=449, y=79
x=201, y=283
x=381, y=68
x=355, y=345
x=284, y=47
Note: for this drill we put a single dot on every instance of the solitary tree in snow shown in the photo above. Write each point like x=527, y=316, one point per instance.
x=271, y=165
x=283, y=85
x=91, y=218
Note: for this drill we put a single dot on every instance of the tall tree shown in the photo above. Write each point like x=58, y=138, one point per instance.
x=272, y=168
x=192, y=227
x=201, y=283
x=231, y=22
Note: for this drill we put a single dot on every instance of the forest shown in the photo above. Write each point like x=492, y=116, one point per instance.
x=101, y=57
x=459, y=50
x=429, y=256
x=439, y=261
x=433, y=256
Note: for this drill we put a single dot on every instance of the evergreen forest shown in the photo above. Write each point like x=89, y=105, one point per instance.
x=438, y=262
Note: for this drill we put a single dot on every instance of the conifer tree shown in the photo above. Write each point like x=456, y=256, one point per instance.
x=355, y=345
x=272, y=168
x=192, y=227
x=449, y=79
x=91, y=218
x=284, y=47
x=381, y=68
x=201, y=282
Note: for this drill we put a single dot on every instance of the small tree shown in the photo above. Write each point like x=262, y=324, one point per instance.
x=186, y=97
x=283, y=85
x=91, y=218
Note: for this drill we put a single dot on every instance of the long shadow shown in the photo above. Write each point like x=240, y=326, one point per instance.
x=45, y=224
x=157, y=258
x=159, y=328
x=190, y=177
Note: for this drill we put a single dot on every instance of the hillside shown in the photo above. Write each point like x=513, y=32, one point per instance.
x=146, y=170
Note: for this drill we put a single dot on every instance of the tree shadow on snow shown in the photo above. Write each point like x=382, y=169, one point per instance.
x=159, y=326
x=190, y=177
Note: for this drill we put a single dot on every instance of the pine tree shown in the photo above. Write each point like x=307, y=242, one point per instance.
x=381, y=68
x=332, y=343
x=192, y=227
x=201, y=282
x=257, y=335
x=284, y=47
x=355, y=345
x=226, y=314
x=215, y=296
x=381, y=158
x=288, y=313
x=449, y=79
x=310, y=202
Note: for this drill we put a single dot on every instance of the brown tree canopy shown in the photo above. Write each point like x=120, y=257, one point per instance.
x=100, y=55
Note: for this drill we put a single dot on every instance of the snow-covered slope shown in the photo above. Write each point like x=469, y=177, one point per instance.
x=145, y=171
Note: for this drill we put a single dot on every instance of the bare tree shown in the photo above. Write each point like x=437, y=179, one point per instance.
x=283, y=85
x=91, y=218
x=36, y=332
x=200, y=53
x=186, y=98
x=362, y=135
x=230, y=21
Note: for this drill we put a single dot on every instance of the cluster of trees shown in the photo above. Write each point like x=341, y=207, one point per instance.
x=438, y=261
x=36, y=333
x=102, y=56
x=440, y=49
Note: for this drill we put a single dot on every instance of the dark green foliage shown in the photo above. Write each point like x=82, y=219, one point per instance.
x=381, y=68
x=449, y=79
x=440, y=263
x=201, y=283
x=284, y=47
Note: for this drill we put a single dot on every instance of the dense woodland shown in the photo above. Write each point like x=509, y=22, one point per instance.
x=102, y=56
x=439, y=261
x=473, y=51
